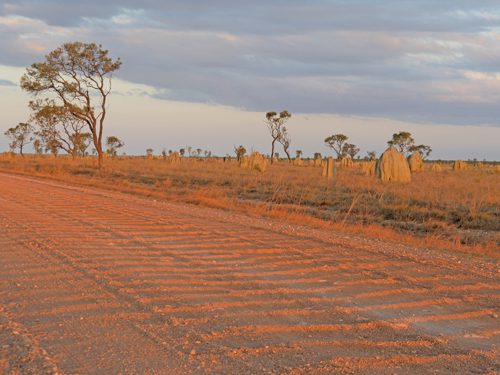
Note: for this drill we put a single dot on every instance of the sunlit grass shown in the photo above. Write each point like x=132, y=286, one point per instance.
x=456, y=210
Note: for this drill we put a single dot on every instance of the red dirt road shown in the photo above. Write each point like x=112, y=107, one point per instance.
x=95, y=282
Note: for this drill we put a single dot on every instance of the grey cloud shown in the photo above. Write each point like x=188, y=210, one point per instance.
x=5, y=82
x=398, y=59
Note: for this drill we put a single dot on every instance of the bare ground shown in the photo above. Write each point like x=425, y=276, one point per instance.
x=101, y=282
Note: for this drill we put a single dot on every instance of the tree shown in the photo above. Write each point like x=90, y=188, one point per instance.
x=336, y=142
x=38, y=146
x=349, y=149
x=78, y=75
x=52, y=146
x=149, y=152
x=240, y=152
x=285, y=141
x=372, y=155
x=317, y=155
x=59, y=128
x=298, y=153
x=114, y=143
x=182, y=151
x=275, y=124
x=20, y=136
x=424, y=150
x=402, y=141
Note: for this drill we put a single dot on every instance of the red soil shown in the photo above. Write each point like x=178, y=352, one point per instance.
x=94, y=281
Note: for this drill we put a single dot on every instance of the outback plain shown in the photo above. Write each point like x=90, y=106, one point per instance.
x=265, y=187
x=200, y=265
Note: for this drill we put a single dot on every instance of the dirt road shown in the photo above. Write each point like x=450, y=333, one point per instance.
x=99, y=282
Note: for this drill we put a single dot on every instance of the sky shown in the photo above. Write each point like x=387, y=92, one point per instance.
x=204, y=73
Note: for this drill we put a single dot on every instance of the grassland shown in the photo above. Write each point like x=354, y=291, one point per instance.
x=448, y=210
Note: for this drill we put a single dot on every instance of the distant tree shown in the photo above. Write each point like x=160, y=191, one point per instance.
x=82, y=143
x=164, y=153
x=189, y=149
x=372, y=155
x=240, y=152
x=276, y=155
x=285, y=141
x=317, y=155
x=78, y=75
x=57, y=126
x=38, y=146
x=149, y=152
x=402, y=141
x=298, y=153
x=113, y=143
x=350, y=149
x=336, y=142
x=198, y=152
x=182, y=151
x=424, y=150
x=275, y=123
x=20, y=136
x=53, y=146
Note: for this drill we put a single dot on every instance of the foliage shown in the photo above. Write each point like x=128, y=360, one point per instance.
x=402, y=141
x=240, y=152
x=424, y=150
x=350, y=149
x=20, y=136
x=275, y=123
x=78, y=76
x=114, y=143
x=58, y=128
x=336, y=142
x=371, y=155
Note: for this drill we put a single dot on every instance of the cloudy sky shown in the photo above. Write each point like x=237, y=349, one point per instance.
x=203, y=73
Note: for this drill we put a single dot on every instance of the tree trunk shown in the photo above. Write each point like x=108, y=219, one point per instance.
x=272, y=150
x=100, y=158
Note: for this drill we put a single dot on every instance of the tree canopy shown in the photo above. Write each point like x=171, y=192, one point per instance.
x=76, y=76
x=336, y=142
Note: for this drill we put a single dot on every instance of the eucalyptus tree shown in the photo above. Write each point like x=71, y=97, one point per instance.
x=276, y=123
x=78, y=77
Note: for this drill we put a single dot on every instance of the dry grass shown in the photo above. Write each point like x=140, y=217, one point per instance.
x=453, y=210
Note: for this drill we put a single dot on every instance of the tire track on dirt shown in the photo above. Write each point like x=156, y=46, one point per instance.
x=207, y=291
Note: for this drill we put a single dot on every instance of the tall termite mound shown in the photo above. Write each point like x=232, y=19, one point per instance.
x=255, y=161
x=459, y=165
x=318, y=161
x=416, y=163
x=298, y=162
x=369, y=167
x=329, y=168
x=174, y=158
x=346, y=162
x=436, y=167
x=393, y=166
